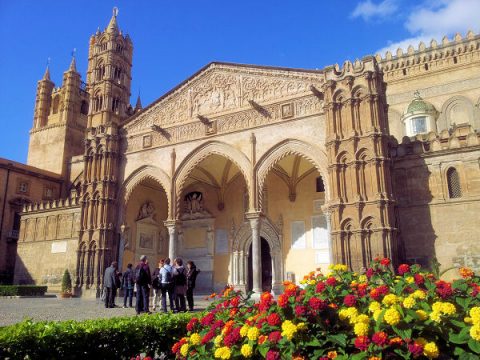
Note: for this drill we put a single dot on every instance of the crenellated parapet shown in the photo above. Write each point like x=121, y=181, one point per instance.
x=460, y=137
x=423, y=59
x=49, y=205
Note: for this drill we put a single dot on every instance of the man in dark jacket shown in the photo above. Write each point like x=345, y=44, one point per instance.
x=128, y=282
x=109, y=284
x=143, y=280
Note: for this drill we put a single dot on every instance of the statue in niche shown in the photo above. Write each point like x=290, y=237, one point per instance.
x=193, y=207
x=146, y=210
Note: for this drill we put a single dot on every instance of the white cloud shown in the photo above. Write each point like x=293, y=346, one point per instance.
x=368, y=10
x=433, y=20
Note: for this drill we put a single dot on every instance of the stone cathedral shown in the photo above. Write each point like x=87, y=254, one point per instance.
x=258, y=174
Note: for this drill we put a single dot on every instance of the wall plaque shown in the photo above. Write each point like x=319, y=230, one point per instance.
x=59, y=247
x=298, y=235
x=221, y=241
x=320, y=232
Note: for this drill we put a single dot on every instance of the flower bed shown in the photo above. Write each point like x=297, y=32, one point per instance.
x=22, y=290
x=344, y=315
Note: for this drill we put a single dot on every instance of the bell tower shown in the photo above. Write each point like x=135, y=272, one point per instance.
x=109, y=75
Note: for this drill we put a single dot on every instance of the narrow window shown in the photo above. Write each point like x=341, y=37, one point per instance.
x=454, y=59
x=453, y=182
x=426, y=66
x=320, y=185
x=404, y=71
x=419, y=125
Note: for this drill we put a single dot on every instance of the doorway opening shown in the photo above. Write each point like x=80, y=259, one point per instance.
x=266, y=267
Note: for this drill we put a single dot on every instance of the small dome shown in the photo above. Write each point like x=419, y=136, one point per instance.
x=418, y=105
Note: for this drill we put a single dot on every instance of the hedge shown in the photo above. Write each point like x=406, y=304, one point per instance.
x=114, y=338
x=22, y=290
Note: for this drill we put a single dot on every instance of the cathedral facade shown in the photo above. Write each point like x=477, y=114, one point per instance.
x=257, y=174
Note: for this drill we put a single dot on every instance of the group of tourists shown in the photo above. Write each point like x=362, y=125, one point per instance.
x=176, y=282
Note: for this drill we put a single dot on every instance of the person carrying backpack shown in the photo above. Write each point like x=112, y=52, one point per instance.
x=166, y=285
x=128, y=282
x=156, y=284
x=192, y=273
x=180, y=282
x=143, y=280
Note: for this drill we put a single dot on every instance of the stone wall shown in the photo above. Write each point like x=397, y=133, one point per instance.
x=431, y=222
x=48, y=243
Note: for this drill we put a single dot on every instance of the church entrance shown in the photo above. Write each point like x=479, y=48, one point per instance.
x=266, y=267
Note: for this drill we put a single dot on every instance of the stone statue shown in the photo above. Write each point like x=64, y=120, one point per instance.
x=146, y=210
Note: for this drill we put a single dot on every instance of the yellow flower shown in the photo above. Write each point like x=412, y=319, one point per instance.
x=392, y=317
x=195, y=339
x=421, y=341
x=374, y=306
x=437, y=306
x=435, y=316
x=288, y=329
x=218, y=340
x=363, y=278
x=362, y=318
x=475, y=314
x=390, y=299
x=448, y=308
x=342, y=314
x=422, y=314
x=409, y=302
x=374, y=358
x=340, y=267
x=419, y=294
x=301, y=326
x=431, y=350
x=244, y=330
x=246, y=350
x=223, y=353
x=410, y=280
x=184, y=350
x=253, y=333
x=475, y=332
x=360, y=329
x=467, y=320
x=312, y=282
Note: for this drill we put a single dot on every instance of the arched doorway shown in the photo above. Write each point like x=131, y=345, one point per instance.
x=266, y=267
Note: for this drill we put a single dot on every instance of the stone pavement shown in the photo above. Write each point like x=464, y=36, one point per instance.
x=13, y=310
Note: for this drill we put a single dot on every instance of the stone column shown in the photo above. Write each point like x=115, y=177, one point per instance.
x=254, y=220
x=172, y=238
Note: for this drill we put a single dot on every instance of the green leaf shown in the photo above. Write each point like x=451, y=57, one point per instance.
x=474, y=345
x=359, y=356
x=461, y=338
x=340, y=339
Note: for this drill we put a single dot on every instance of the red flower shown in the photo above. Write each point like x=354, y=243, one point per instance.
x=419, y=280
x=316, y=303
x=207, y=319
x=282, y=300
x=378, y=292
x=370, y=272
x=385, y=261
x=300, y=310
x=444, y=289
x=274, y=319
x=362, y=342
x=218, y=324
x=404, y=268
x=266, y=297
x=260, y=322
x=415, y=348
x=331, y=281
x=275, y=337
x=350, y=300
x=191, y=324
x=362, y=290
x=272, y=355
x=235, y=302
x=232, y=338
x=320, y=287
x=208, y=336
x=262, y=339
x=380, y=338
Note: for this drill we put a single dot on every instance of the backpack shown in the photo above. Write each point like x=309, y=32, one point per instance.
x=180, y=278
x=140, y=275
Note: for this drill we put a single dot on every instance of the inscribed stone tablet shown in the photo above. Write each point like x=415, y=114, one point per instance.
x=59, y=247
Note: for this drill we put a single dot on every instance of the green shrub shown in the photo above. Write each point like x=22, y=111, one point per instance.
x=66, y=283
x=114, y=338
x=22, y=290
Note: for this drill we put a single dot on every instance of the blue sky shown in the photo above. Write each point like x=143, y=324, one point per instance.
x=173, y=39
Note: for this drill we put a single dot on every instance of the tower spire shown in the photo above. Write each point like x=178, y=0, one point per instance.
x=73, y=63
x=112, y=25
x=46, y=76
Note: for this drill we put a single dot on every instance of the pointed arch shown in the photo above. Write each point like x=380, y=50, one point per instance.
x=310, y=152
x=142, y=173
x=201, y=153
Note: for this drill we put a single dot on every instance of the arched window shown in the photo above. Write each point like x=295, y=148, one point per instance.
x=56, y=102
x=84, y=108
x=453, y=182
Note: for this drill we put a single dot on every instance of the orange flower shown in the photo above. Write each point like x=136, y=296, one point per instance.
x=262, y=339
x=374, y=358
x=298, y=357
x=233, y=312
x=396, y=341
x=213, y=295
x=333, y=306
x=466, y=273
x=332, y=354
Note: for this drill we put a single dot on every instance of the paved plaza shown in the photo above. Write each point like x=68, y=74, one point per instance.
x=14, y=310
